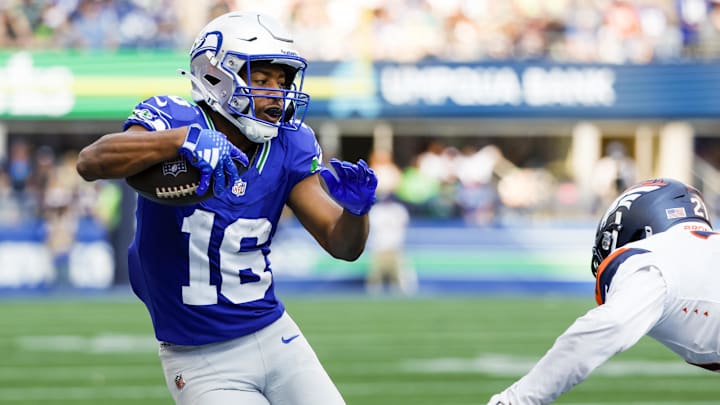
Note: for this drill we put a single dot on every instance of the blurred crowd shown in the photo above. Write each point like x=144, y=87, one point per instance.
x=89, y=24
x=43, y=197
x=480, y=186
x=602, y=31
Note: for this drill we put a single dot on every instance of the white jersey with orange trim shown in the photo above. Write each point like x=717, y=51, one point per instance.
x=665, y=286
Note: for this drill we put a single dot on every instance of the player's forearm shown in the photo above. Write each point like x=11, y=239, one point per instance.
x=564, y=366
x=347, y=239
x=588, y=343
x=120, y=155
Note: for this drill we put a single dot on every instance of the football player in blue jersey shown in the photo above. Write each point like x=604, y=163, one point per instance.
x=654, y=260
x=204, y=270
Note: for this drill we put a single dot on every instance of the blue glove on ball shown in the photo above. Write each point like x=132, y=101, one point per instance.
x=213, y=154
x=352, y=185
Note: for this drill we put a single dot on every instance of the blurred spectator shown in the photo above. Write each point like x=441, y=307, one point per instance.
x=691, y=15
x=9, y=206
x=437, y=161
x=94, y=26
x=15, y=28
x=218, y=8
x=389, y=268
x=19, y=165
x=613, y=173
x=417, y=191
x=708, y=45
x=477, y=195
x=430, y=187
x=388, y=173
x=60, y=214
x=526, y=191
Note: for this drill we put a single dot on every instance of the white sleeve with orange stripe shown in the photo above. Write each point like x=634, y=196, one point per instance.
x=633, y=305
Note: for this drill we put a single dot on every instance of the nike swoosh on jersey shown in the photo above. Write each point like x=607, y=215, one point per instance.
x=290, y=339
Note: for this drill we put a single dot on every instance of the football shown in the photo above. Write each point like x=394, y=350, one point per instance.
x=172, y=182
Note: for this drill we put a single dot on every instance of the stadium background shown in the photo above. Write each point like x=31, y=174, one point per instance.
x=507, y=122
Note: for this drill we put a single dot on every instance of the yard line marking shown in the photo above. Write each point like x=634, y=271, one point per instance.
x=34, y=394
x=106, y=343
x=515, y=366
x=39, y=372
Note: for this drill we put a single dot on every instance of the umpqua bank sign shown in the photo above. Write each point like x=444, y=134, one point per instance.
x=497, y=86
x=550, y=90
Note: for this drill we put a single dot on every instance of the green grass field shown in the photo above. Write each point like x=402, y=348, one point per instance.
x=420, y=351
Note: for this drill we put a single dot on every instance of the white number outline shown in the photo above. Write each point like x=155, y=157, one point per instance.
x=199, y=226
x=700, y=209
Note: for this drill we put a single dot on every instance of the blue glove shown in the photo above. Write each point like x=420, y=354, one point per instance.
x=352, y=186
x=213, y=154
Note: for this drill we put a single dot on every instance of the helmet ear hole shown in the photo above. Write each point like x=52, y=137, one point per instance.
x=211, y=79
x=241, y=104
x=606, y=241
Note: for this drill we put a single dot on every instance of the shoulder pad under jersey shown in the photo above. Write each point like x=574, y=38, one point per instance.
x=609, y=267
x=163, y=112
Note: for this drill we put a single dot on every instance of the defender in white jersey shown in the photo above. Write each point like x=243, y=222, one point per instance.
x=204, y=270
x=655, y=261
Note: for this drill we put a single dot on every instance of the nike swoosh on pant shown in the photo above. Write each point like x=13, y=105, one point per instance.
x=290, y=339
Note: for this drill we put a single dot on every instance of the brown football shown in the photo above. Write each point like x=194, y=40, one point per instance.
x=171, y=182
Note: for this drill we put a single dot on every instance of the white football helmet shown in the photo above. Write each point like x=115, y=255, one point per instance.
x=226, y=46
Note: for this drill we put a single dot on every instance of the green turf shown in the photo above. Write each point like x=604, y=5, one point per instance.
x=422, y=351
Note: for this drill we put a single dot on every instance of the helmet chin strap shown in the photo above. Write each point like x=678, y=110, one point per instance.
x=254, y=131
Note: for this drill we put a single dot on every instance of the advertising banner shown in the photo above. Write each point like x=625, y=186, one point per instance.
x=86, y=85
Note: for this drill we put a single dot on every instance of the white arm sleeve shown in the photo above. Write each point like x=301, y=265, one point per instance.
x=632, y=307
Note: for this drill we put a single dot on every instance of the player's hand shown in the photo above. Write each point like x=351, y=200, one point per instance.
x=352, y=185
x=213, y=154
x=500, y=399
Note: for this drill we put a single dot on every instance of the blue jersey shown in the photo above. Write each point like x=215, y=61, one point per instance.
x=203, y=270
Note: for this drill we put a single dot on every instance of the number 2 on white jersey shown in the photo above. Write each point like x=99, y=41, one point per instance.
x=199, y=226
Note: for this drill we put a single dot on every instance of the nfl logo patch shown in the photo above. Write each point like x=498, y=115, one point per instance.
x=174, y=167
x=673, y=213
x=179, y=382
x=238, y=188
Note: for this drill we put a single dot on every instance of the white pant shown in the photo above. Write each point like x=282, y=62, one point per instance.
x=268, y=367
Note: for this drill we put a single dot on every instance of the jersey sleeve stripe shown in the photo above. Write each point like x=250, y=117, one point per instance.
x=607, y=270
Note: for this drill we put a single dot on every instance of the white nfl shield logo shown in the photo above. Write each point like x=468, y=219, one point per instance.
x=238, y=188
x=174, y=167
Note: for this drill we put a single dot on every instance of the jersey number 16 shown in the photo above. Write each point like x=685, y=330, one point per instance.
x=233, y=263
